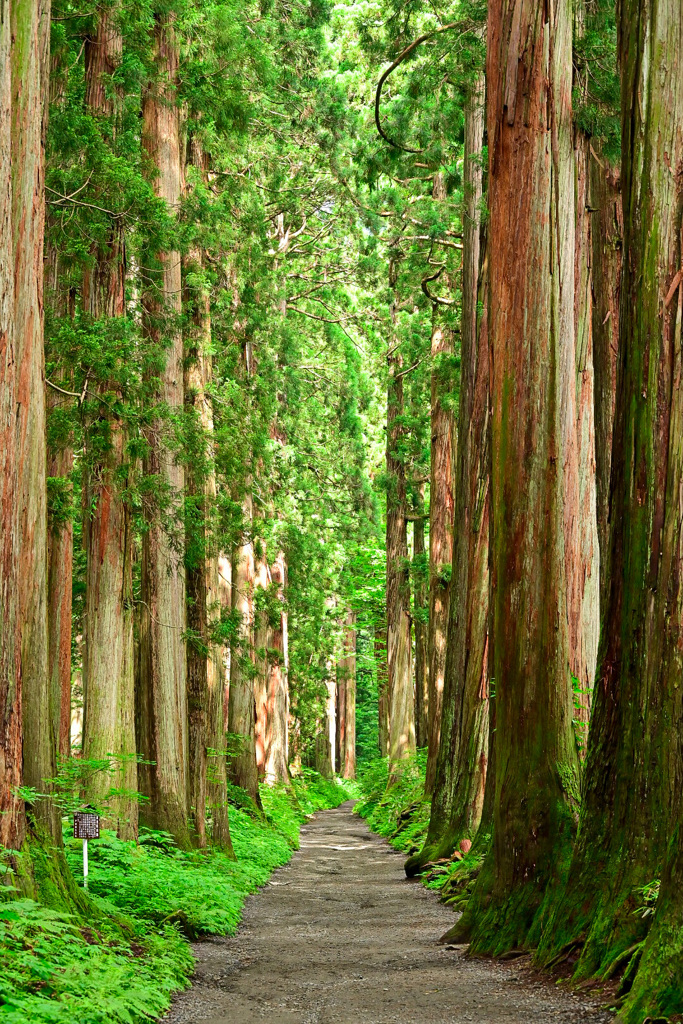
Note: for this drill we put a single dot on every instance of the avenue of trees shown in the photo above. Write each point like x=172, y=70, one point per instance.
x=341, y=383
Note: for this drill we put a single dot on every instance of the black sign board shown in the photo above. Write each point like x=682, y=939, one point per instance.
x=86, y=825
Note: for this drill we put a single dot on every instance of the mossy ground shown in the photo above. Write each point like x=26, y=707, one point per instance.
x=120, y=962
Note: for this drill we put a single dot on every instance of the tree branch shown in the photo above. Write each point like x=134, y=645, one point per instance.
x=464, y=25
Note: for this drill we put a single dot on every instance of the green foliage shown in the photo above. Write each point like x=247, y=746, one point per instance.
x=123, y=965
x=399, y=812
x=56, y=970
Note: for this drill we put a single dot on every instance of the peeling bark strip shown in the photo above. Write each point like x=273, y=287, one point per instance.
x=108, y=658
x=162, y=710
x=12, y=823
x=633, y=770
x=27, y=228
x=462, y=755
x=441, y=502
x=399, y=672
x=534, y=463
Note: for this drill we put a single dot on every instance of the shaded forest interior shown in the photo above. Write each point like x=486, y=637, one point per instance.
x=341, y=455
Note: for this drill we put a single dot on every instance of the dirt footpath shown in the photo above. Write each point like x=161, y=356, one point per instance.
x=340, y=937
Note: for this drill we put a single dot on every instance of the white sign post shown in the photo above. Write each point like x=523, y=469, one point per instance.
x=86, y=826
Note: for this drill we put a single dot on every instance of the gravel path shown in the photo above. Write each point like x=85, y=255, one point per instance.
x=340, y=937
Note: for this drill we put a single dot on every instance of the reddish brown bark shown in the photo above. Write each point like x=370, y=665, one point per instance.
x=28, y=231
x=162, y=707
x=534, y=475
x=12, y=824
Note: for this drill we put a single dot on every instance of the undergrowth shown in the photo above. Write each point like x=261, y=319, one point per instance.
x=399, y=812
x=122, y=964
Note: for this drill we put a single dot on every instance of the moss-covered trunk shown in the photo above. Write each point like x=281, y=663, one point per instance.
x=108, y=658
x=162, y=705
x=12, y=824
x=534, y=466
x=633, y=768
x=461, y=763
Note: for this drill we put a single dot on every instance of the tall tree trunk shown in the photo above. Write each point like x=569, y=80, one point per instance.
x=12, y=824
x=206, y=731
x=108, y=652
x=242, y=766
x=162, y=707
x=28, y=217
x=380, y=651
x=441, y=506
x=277, y=698
x=340, y=745
x=60, y=462
x=461, y=763
x=60, y=548
x=262, y=669
x=399, y=654
x=325, y=741
x=421, y=616
x=346, y=676
x=534, y=476
x=586, y=628
x=607, y=239
x=632, y=782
